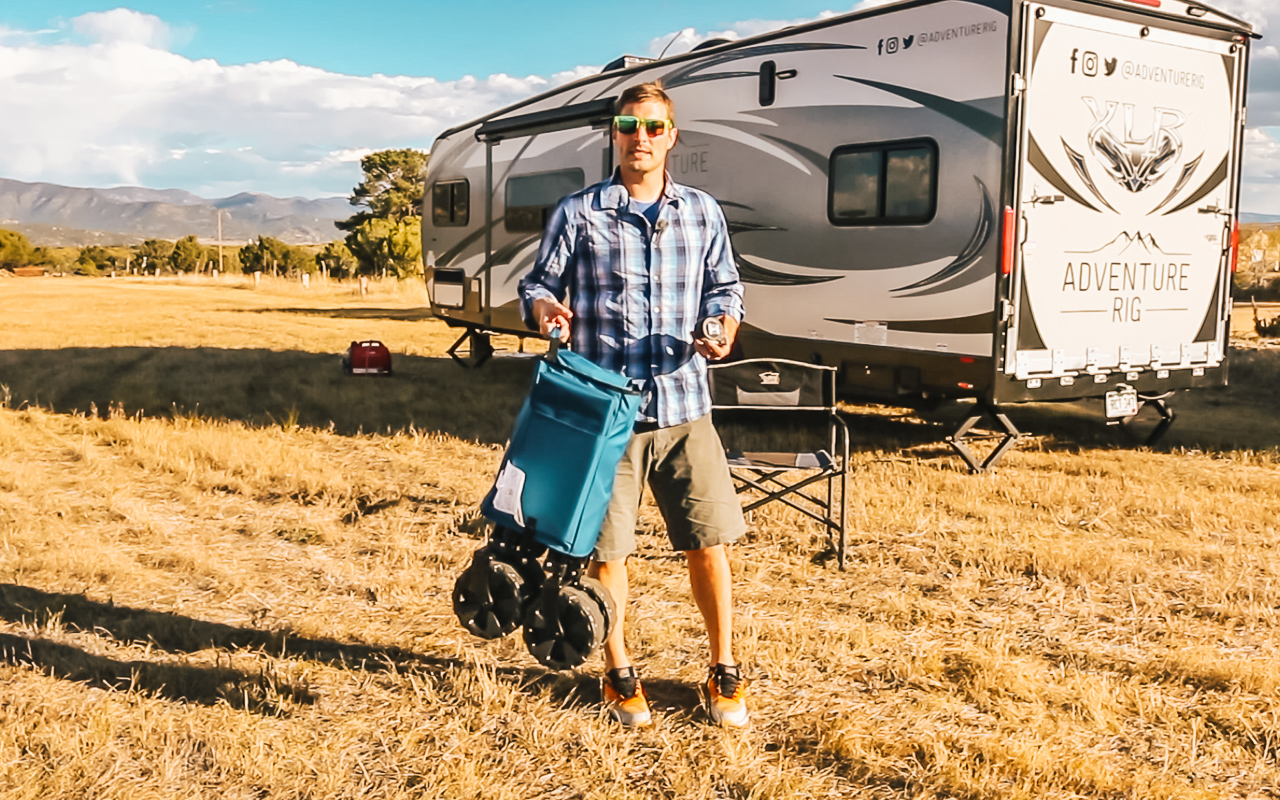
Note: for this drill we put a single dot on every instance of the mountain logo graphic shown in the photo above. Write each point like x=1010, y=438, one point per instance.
x=1126, y=240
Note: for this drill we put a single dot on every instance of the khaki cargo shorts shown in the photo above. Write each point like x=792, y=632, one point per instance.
x=686, y=469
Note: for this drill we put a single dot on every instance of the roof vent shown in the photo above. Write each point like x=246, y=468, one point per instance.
x=626, y=62
x=712, y=43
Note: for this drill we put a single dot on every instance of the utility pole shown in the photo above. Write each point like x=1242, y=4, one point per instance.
x=220, y=241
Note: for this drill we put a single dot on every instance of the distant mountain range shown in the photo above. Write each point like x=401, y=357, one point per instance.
x=64, y=216
x=1259, y=219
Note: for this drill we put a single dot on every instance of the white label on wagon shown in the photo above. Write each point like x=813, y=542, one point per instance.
x=508, y=490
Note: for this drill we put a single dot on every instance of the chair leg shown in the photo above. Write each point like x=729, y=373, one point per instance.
x=769, y=484
x=834, y=514
x=831, y=508
x=780, y=495
x=841, y=514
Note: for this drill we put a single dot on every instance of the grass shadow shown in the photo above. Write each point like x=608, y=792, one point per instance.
x=871, y=432
x=1231, y=418
x=265, y=387
x=397, y=314
x=434, y=394
x=573, y=689
x=258, y=692
x=176, y=633
x=261, y=693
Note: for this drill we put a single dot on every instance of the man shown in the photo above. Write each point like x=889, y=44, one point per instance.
x=643, y=261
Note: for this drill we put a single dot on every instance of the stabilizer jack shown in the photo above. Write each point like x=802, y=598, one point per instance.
x=1007, y=435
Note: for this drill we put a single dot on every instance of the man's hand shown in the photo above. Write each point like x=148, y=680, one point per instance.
x=552, y=314
x=714, y=352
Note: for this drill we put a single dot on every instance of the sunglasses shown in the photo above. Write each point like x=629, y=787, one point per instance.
x=628, y=125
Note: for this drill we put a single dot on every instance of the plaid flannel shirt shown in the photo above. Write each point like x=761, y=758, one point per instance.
x=638, y=290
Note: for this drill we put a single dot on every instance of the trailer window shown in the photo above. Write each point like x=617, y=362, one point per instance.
x=893, y=183
x=530, y=198
x=450, y=204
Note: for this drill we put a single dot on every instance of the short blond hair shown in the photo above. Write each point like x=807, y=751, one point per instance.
x=645, y=93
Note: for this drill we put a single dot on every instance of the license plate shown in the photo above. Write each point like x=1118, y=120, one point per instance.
x=1122, y=403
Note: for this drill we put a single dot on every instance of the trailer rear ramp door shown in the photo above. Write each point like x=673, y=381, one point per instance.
x=1126, y=199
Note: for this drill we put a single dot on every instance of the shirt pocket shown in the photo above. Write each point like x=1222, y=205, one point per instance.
x=618, y=258
x=684, y=239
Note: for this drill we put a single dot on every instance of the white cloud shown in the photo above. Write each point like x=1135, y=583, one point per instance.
x=124, y=25
x=1264, y=61
x=1258, y=13
x=1260, y=191
x=14, y=36
x=1260, y=187
x=124, y=110
x=686, y=39
x=113, y=105
x=1257, y=136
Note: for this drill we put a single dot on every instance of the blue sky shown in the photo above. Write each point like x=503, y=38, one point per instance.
x=444, y=39
x=285, y=96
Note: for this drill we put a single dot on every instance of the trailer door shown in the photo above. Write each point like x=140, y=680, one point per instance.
x=526, y=176
x=1130, y=137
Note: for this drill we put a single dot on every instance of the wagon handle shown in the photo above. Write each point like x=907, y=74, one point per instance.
x=553, y=351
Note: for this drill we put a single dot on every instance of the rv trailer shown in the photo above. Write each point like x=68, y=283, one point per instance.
x=992, y=199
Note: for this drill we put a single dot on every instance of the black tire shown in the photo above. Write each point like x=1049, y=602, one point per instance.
x=490, y=598
x=604, y=599
x=565, y=636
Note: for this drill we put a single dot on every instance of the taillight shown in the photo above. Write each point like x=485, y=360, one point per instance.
x=1152, y=3
x=1235, y=243
x=1010, y=241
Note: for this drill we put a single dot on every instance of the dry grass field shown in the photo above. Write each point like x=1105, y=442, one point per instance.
x=225, y=572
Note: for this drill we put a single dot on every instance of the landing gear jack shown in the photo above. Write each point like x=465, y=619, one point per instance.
x=1007, y=435
x=1166, y=414
x=478, y=348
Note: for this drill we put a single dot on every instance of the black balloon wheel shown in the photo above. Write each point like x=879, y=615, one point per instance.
x=604, y=599
x=534, y=576
x=566, y=637
x=489, y=598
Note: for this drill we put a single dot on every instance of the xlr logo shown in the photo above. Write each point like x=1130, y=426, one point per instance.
x=1133, y=160
x=1088, y=62
x=893, y=44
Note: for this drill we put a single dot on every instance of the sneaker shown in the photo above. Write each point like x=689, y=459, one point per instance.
x=625, y=699
x=727, y=696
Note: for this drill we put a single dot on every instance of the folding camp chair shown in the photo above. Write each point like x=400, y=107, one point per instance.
x=789, y=405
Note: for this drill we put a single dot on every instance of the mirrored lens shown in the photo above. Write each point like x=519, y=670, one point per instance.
x=628, y=125
x=655, y=127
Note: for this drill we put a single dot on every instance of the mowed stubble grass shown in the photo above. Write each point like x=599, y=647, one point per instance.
x=247, y=603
